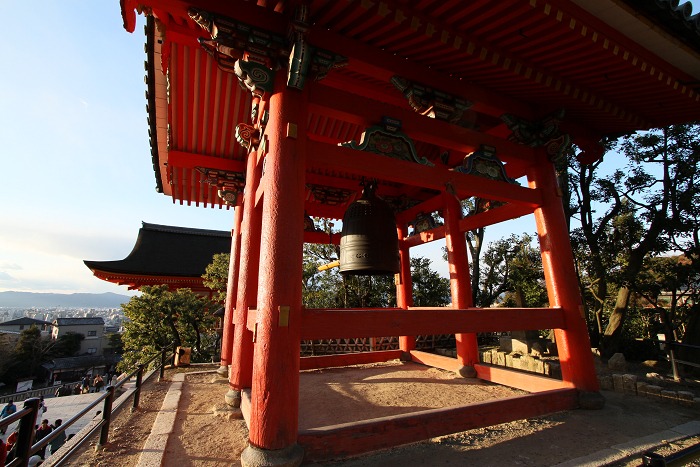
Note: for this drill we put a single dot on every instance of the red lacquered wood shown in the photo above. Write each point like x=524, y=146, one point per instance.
x=460, y=278
x=359, y=358
x=241, y=374
x=404, y=286
x=518, y=379
x=436, y=361
x=275, y=391
x=231, y=287
x=384, y=322
x=368, y=435
x=573, y=344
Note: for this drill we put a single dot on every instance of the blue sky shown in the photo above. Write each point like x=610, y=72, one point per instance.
x=77, y=176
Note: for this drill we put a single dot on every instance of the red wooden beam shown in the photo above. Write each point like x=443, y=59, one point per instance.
x=518, y=379
x=188, y=160
x=494, y=216
x=346, y=359
x=384, y=322
x=321, y=238
x=435, y=360
x=379, y=433
x=328, y=157
x=425, y=237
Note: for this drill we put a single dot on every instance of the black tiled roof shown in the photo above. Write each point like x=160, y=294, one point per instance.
x=25, y=321
x=78, y=321
x=170, y=251
x=676, y=20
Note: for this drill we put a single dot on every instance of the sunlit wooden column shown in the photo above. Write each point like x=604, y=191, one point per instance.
x=240, y=375
x=460, y=282
x=274, y=410
x=404, y=285
x=231, y=290
x=573, y=343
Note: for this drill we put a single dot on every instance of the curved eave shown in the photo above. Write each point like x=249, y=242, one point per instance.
x=136, y=281
x=167, y=251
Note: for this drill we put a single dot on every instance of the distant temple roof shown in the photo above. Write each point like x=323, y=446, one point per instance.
x=177, y=256
x=78, y=321
x=25, y=321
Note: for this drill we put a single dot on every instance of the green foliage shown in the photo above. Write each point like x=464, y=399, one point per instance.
x=512, y=274
x=216, y=276
x=29, y=353
x=67, y=345
x=429, y=288
x=648, y=209
x=160, y=318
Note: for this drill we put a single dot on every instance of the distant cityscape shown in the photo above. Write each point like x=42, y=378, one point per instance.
x=51, y=306
x=113, y=317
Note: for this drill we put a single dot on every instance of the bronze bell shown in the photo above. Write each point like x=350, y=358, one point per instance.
x=369, y=244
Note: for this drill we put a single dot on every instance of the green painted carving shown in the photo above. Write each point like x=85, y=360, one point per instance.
x=543, y=133
x=432, y=103
x=388, y=140
x=257, y=78
x=484, y=163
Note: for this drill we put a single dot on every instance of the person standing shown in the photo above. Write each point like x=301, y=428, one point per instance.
x=60, y=438
x=98, y=383
x=8, y=410
x=41, y=432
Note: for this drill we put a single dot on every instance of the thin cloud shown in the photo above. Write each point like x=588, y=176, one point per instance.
x=6, y=277
x=10, y=266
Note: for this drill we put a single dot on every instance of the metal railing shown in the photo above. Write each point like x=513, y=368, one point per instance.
x=682, y=457
x=27, y=416
x=671, y=347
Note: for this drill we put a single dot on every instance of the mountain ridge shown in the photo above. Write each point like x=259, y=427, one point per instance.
x=13, y=299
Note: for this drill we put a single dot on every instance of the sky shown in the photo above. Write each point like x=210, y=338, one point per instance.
x=77, y=180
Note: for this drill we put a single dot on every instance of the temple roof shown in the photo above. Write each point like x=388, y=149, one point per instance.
x=163, y=252
x=25, y=321
x=602, y=67
x=79, y=321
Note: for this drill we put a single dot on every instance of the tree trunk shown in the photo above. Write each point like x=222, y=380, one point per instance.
x=613, y=333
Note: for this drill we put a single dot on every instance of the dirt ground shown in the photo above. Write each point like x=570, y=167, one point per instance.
x=205, y=433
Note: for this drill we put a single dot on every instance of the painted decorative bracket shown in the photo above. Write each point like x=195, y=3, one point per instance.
x=388, y=140
x=432, y=103
x=543, y=133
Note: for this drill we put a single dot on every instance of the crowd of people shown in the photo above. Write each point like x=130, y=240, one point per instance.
x=8, y=448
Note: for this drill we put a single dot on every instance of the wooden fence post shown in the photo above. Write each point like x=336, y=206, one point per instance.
x=137, y=393
x=25, y=435
x=106, y=417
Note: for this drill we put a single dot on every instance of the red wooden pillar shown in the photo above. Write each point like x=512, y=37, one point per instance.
x=404, y=285
x=240, y=376
x=274, y=410
x=562, y=287
x=231, y=290
x=460, y=282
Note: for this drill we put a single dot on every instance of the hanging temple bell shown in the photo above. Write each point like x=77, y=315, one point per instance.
x=369, y=243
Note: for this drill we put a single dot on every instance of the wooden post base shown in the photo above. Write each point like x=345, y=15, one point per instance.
x=233, y=398
x=290, y=456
